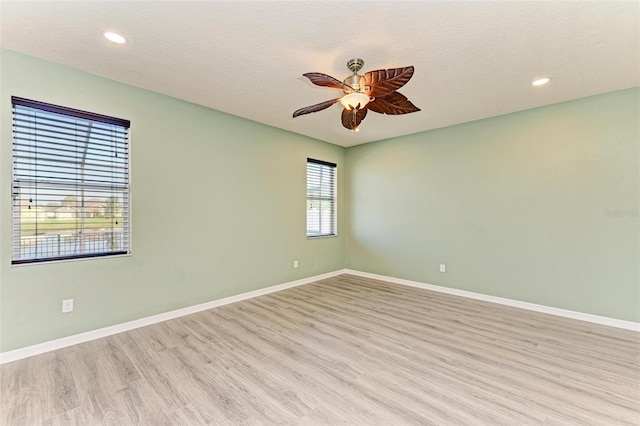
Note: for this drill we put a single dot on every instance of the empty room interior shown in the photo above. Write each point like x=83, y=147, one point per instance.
x=319, y=213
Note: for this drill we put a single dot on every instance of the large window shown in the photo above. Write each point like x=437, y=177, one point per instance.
x=321, y=198
x=70, y=183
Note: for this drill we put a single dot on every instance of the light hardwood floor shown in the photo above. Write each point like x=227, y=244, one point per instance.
x=345, y=350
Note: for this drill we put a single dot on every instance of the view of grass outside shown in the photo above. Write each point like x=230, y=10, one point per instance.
x=71, y=214
x=69, y=226
x=29, y=227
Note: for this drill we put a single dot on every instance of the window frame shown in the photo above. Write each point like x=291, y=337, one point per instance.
x=121, y=144
x=333, y=199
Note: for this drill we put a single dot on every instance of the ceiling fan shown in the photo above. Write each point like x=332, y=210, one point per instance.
x=374, y=90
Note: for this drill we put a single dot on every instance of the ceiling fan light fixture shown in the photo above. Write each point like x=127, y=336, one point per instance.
x=354, y=100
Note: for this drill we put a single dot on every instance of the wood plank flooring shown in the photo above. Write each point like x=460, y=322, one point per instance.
x=345, y=350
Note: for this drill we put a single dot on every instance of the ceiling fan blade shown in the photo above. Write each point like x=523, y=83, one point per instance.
x=315, y=108
x=351, y=119
x=393, y=104
x=324, y=80
x=383, y=82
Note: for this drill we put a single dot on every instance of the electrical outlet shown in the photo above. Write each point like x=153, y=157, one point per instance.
x=295, y=264
x=443, y=267
x=67, y=306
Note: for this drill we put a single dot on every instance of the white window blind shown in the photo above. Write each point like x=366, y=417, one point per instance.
x=70, y=185
x=321, y=198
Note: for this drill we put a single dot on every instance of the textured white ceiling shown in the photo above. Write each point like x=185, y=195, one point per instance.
x=472, y=59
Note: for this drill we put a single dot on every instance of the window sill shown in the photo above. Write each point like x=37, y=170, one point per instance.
x=79, y=259
x=322, y=237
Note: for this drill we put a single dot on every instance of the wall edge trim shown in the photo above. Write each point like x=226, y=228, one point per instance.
x=87, y=336
x=612, y=322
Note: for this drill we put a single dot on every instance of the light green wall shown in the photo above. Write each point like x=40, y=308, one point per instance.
x=538, y=206
x=517, y=206
x=218, y=209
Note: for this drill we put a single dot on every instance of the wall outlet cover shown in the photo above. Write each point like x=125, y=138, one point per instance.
x=67, y=306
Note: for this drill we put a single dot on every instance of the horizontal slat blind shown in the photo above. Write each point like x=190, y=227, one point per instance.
x=70, y=183
x=321, y=198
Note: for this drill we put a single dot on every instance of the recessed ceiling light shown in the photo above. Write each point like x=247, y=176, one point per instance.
x=541, y=81
x=114, y=37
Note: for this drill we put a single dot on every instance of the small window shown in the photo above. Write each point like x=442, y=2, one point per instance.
x=321, y=198
x=70, y=185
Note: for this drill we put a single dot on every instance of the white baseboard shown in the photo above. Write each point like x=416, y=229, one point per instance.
x=52, y=345
x=628, y=325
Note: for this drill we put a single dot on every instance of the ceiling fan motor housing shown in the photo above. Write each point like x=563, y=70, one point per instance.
x=353, y=81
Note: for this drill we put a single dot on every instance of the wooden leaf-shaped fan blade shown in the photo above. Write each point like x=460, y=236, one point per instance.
x=324, y=80
x=383, y=82
x=315, y=108
x=352, y=119
x=393, y=104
